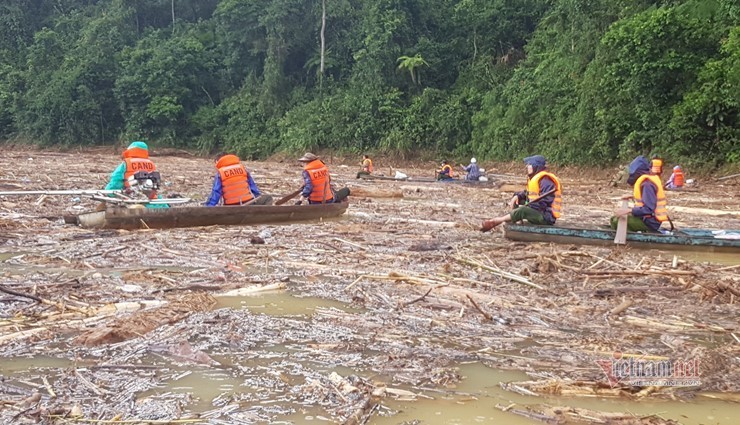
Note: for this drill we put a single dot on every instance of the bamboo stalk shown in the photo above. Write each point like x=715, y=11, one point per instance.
x=499, y=272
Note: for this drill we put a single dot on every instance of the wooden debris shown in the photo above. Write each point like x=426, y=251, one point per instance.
x=497, y=271
x=557, y=415
x=376, y=193
x=143, y=322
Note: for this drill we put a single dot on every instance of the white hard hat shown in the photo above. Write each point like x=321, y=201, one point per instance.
x=472, y=160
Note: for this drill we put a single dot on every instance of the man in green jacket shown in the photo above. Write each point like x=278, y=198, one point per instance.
x=135, y=159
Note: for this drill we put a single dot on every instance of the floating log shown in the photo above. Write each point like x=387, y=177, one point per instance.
x=376, y=193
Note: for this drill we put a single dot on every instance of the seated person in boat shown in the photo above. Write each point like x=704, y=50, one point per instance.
x=656, y=166
x=650, y=201
x=367, y=166
x=137, y=173
x=234, y=184
x=317, y=187
x=445, y=171
x=541, y=203
x=676, y=180
x=472, y=170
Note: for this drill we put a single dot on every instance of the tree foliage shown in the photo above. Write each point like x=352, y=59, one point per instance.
x=577, y=80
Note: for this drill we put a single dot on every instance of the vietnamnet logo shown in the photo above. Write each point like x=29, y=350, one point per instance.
x=650, y=371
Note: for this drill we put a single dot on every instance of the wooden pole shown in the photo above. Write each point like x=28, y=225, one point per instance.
x=621, y=236
x=288, y=197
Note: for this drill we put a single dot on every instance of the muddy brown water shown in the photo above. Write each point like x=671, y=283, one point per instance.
x=473, y=400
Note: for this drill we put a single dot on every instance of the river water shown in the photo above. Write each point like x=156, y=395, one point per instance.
x=472, y=400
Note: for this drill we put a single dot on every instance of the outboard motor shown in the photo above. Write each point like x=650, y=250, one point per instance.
x=146, y=183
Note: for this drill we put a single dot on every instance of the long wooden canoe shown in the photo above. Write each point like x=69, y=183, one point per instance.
x=490, y=183
x=684, y=239
x=167, y=218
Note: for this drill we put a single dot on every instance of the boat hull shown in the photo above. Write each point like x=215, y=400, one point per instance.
x=685, y=239
x=462, y=182
x=167, y=218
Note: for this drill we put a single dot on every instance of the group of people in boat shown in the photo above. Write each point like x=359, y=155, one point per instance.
x=472, y=171
x=541, y=202
x=232, y=183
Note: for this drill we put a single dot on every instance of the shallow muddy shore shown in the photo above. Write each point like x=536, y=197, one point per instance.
x=399, y=303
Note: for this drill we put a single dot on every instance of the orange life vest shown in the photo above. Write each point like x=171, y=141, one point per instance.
x=533, y=191
x=318, y=172
x=447, y=167
x=656, y=166
x=678, y=178
x=367, y=165
x=661, y=213
x=136, y=160
x=234, y=180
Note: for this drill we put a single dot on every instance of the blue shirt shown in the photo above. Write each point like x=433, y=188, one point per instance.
x=308, y=188
x=218, y=190
x=473, y=172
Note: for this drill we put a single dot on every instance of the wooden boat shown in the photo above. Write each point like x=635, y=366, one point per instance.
x=463, y=182
x=377, y=177
x=166, y=218
x=684, y=239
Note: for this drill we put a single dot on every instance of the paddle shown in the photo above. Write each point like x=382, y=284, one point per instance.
x=548, y=193
x=621, y=236
x=288, y=197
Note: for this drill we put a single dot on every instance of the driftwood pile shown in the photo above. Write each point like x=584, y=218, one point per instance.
x=130, y=315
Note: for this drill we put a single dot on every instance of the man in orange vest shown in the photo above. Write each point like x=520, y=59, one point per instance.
x=676, y=180
x=650, y=201
x=317, y=187
x=656, y=166
x=541, y=203
x=135, y=163
x=234, y=184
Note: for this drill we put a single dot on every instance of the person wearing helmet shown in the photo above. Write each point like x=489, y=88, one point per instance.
x=676, y=180
x=472, y=170
x=135, y=160
x=541, y=203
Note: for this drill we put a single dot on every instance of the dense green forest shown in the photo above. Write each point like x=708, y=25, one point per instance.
x=581, y=81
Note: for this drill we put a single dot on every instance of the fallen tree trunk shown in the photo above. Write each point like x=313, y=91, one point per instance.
x=376, y=193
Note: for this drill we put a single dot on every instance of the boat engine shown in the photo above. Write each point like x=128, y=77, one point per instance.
x=144, y=183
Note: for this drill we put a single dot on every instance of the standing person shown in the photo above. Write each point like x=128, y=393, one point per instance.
x=234, y=184
x=473, y=172
x=445, y=171
x=650, y=210
x=135, y=163
x=317, y=187
x=676, y=180
x=367, y=166
x=541, y=203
